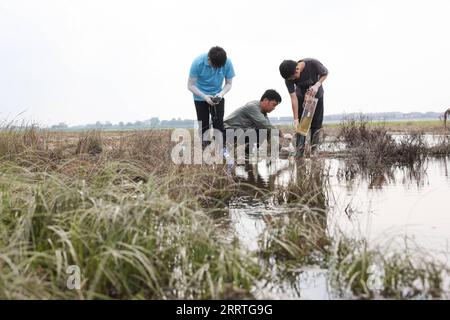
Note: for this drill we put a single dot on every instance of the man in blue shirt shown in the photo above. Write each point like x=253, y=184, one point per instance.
x=206, y=77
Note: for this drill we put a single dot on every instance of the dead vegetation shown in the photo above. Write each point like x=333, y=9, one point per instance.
x=141, y=227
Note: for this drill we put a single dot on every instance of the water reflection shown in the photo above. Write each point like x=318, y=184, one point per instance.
x=278, y=193
x=406, y=202
x=248, y=217
x=266, y=174
x=310, y=283
x=350, y=173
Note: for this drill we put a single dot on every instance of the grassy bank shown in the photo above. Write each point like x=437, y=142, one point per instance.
x=135, y=225
x=138, y=226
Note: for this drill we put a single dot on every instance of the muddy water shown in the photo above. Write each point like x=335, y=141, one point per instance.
x=401, y=202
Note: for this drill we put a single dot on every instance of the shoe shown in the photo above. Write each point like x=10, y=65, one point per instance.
x=315, y=141
x=229, y=160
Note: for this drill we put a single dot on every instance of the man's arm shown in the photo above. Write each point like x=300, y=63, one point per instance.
x=323, y=72
x=258, y=119
x=315, y=88
x=193, y=88
x=294, y=102
x=261, y=122
x=322, y=78
x=226, y=87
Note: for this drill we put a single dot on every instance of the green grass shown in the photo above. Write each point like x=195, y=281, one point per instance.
x=129, y=239
x=136, y=227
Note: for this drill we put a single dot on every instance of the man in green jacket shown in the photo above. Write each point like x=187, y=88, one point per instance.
x=253, y=115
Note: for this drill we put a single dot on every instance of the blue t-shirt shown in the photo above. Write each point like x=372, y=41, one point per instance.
x=209, y=79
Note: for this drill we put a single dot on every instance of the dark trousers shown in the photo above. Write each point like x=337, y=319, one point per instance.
x=204, y=111
x=261, y=136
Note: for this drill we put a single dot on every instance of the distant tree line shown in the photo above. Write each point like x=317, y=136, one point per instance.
x=152, y=123
x=156, y=123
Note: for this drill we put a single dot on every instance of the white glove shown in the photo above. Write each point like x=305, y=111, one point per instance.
x=217, y=98
x=208, y=99
x=295, y=124
x=315, y=88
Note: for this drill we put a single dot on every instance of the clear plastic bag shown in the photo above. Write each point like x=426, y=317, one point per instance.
x=309, y=107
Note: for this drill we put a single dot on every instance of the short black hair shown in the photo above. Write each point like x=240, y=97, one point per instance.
x=271, y=95
x=287, y=68
x=217, y=56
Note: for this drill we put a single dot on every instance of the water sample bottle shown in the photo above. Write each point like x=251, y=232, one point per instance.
x=309, y=107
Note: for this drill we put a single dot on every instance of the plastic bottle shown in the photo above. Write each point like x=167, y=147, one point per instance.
x=309, y=107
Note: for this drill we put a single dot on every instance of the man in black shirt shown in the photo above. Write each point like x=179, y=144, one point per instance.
x=300, y=77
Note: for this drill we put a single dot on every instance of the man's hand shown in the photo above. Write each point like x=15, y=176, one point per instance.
x=295, y=124
x=314, y=89
x=208, y=99
x=217, y=98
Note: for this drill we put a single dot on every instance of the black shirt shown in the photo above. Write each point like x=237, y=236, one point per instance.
x=312, y=72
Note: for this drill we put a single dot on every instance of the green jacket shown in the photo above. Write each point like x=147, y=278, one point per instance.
x=248, y=116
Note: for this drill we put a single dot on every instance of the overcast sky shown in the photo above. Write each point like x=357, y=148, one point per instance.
x=82, y=61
